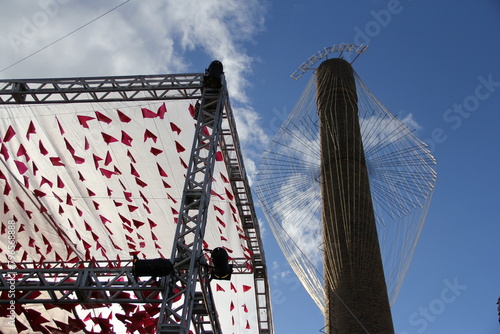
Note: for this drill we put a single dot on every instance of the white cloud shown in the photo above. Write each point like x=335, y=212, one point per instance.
x=137, y=38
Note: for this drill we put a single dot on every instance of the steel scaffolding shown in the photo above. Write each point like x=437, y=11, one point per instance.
x=106, y=282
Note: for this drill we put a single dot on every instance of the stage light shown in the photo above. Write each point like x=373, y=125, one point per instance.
x=213, y=74
x=153, y=268
x=221, y=270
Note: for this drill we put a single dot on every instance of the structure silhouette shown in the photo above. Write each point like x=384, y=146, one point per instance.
x=355, y=288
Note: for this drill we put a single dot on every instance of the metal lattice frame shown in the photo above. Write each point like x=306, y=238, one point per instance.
x=198, y=301
x=86, y=283
x=187, y=253
x=101, y=89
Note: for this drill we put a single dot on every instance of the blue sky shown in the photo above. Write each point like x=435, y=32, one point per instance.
x=435, y=60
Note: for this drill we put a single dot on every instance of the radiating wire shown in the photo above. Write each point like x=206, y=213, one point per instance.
x=401, y=176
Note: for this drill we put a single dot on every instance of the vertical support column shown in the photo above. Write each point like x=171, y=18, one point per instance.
x=355, y=289
x=190, y=277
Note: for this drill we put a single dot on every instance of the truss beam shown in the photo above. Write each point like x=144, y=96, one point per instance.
x=101, y=89
x=233, y=158
x=100, y=282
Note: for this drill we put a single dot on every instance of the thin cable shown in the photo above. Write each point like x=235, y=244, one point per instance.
x=63, y=37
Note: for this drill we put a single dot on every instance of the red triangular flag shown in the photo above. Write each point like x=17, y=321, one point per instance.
x=103, y=118
x=124, y=118
x=31, y=130
x=146, y=113
x=83, y=120
x=162, y=111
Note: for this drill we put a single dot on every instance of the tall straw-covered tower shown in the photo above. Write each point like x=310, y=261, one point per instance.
x=345, y=186
x=355, y=289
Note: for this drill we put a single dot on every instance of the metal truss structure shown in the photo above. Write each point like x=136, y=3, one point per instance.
x=99, y=282
x=106, y=282
x=101, y=89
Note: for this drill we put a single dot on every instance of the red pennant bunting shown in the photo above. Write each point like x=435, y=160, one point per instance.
x=179, y=147
x=126, y=139
x=61, y=130
x=155, y=151
x=218, y=156
x=108, y=139
x=146, y=113
x=229, y=195
x=124, y=118
x=191, y=110
x=128, y=196
x=69, y=147
x=133, y=171
x=104, y=220
x=69, y=200
x=149, y=135
x=87, y=226
x=21, y=167
x=171, y=198
x=140, y=182
x=83, y=120
x=224, y=178
x=130, y=156
x=221, y=222
x=4, y=152
x=56, y=161
x=106, y=173
x=96, y=160
x=42, y=148
x=161, y=171
x=31, y=130
x=108, y=159
x=162, y=111
x=9, y=134
x=79, y=212
x=60, y=183
x=103, y=118
x=175, y=128
x=219, y=210
x=152, y=223
x=78, y=160
x=7, y=189
x=19, y=326
x=22, y=152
